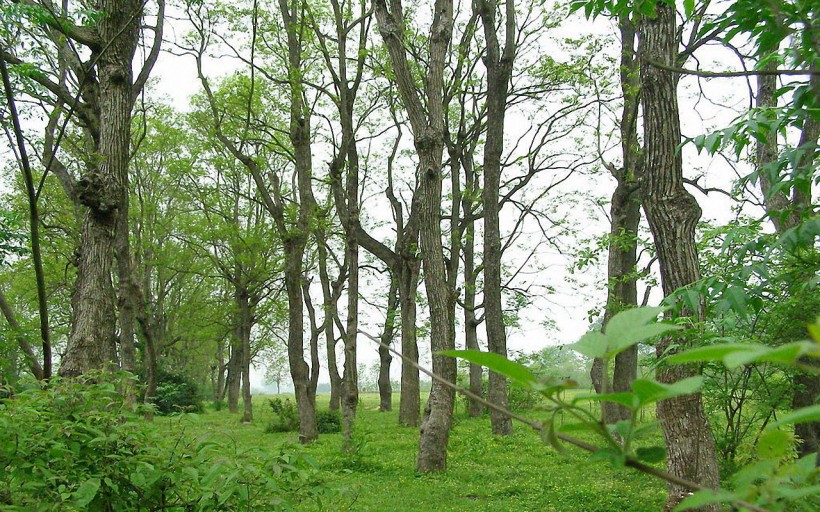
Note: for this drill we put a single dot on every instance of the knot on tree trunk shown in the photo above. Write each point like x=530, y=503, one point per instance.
x=93, y=192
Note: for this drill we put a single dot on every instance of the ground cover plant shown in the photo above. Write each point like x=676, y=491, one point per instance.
x=488, y=473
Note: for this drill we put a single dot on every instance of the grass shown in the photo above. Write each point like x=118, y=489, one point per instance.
x=485, y=473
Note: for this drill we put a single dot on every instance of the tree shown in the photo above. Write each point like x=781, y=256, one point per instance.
x=499, y=62
x=625, y=215
x=672, y=214
x=102, y=106
x=427, y=122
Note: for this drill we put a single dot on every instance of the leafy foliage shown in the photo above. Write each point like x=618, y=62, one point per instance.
x=285, y=416
x=78, y=446
x=176, y=393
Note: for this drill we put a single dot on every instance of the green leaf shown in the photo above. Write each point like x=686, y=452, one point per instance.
x=622, y=331
x=774, y=444
x=734, y=355
x=611, y=455
x=86, y=492
x=518, y=374
x=706, y=497
x=549, y=436
x=591, y=344
x=707, y=353
x=652, y=454
x=688, y=7
x=649, y=391
x=737, y=299
x=634, y=325
x=802, y=415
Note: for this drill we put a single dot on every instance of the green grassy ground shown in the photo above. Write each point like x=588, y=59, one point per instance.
x=485, y=473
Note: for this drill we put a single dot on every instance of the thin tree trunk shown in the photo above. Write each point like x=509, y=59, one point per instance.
x=471, y=323
x=625, y=212
x=329, y=297
x=786, y=213
x=126, y=300
x=410, y=398
x=672, y=214
x=34, y=226
x=499, y=65
x=233, y=381
x=28, y=352
x=246, y=324
x=219, y=390
x=385, y=386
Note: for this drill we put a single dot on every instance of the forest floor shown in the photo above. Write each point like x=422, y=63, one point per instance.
x=485, y=473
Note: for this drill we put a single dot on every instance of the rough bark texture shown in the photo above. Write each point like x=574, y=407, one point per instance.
x=625, y=214
x=672, y=214
x=91, y=343
x=499, y=65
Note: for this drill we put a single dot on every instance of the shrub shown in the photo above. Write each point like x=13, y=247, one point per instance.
x=328, y=422
x=176, y=393
x=285, y=416
x=78, y=446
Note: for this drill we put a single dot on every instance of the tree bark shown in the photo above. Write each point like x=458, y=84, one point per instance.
x=625, y=214
x=410, y=399
x=499, y=64
x=471, y=322
x=92, y=339
x=428, y=132
x=388, y=333
x=672, y=213
x=330, y=296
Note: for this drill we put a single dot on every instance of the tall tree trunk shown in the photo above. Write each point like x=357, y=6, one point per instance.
x=219, y=387
x=625, y=214
x=471, y=323
x=295, y=238
x=672, y=214
x=126, y=299
x=246, y=319
x=92, y=338
x=427, y=122
x=435, y=425
x=499, y=65
x=410, y=398
x=388, y=333
x=233, y=380
x=329, y=297
x=299, y=369
x=34, y=231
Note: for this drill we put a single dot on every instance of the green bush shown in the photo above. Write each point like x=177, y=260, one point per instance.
x=78, y=446
x=328, y=422
x=285, y=416
x=176, y=393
